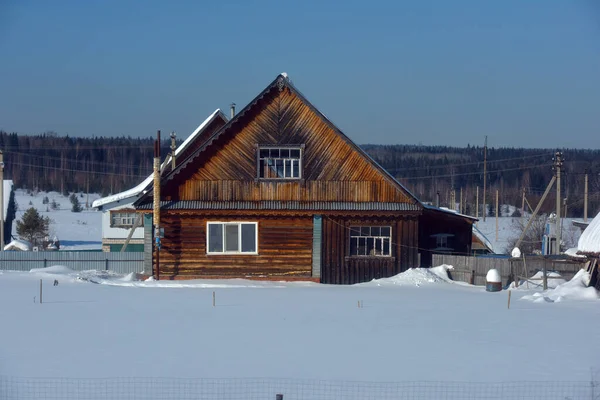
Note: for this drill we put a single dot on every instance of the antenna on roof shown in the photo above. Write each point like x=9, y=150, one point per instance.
x=232, y=109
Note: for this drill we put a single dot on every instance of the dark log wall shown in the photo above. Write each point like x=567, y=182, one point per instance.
x=332, y=169
x=339, y=268
x=434, y=222
x=284, y=247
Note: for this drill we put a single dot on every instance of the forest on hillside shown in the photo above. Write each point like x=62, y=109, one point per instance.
x=427, y=170
x=109, y=165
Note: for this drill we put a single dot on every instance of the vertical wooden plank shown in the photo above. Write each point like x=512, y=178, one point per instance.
x=416, y=241
x=406, y=243
x=398, y=241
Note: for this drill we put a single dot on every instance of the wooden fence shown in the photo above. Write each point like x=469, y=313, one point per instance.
x=474, y=269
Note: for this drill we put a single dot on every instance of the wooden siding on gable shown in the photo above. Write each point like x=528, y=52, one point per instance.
x=332, y=170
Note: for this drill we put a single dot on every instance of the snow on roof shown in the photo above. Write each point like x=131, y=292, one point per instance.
x=589, y=242
x=137, y=190
x=572, y=252
x=448, y=211
x=7, y=186
x=18, y=244
x=483, y=238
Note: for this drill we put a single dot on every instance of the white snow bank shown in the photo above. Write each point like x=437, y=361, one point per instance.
x=54, y=269
x=575, y=289
x=19, y=245
x=589, y=242
x=415, y=277
x=536, y=281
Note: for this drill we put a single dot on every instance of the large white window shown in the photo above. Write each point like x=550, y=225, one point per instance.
x=232, y=238
x=370, y=241
x=280, y=162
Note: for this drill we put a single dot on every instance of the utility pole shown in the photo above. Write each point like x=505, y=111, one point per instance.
x=477, y=202
x=558, y=162
x=484, y=176
x=173, y=147
x=523, y=204
x=585, y=196
x=497, y=209
x=157, y=203
x=87, y=189
x=1, y=201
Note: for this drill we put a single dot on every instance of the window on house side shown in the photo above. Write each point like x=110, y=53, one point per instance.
x=124, y=219
x=279, y=162
x=232, y=238
x=370, y=241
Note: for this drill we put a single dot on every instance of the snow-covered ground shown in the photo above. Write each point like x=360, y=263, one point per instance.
x=415, y=326
x=76, y=231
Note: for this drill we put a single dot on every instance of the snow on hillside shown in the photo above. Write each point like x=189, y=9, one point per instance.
x=508, y=229
x=76, y=231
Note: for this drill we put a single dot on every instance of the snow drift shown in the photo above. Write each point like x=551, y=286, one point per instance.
x=575, y=289
x=416, y=277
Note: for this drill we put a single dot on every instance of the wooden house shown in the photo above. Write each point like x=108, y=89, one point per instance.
x=279, y=192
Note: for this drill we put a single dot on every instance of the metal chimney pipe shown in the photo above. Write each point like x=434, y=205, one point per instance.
x=232, y=109
x=173, y=148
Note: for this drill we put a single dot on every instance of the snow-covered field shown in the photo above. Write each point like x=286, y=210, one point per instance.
x=415, y=326
x=76, y=231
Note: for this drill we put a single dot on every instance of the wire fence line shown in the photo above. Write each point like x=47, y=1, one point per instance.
x=18, y=388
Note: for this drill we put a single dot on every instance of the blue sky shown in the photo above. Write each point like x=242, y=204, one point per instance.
x=525, y=73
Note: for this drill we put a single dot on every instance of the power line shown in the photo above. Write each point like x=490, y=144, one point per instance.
x=476, y=172
x=70, y=160
x=79, y=170
x=465, y=164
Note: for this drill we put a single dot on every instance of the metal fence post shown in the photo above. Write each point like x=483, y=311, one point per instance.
x=278, y=397
x=45, y=263
x=106, y=264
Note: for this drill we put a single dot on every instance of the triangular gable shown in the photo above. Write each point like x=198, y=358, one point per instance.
x=209, y=126
x=244, y=117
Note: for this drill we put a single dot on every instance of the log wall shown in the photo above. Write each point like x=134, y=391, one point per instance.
x=284, y=247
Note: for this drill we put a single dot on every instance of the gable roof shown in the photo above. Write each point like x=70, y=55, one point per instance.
x=279, y=83
x=147, y=183
x=589, y=241
x=448, y=211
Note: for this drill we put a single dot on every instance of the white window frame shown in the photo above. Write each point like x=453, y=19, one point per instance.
x=239, y=224
x=123, y=216
x=260, y=160
x=370, y=236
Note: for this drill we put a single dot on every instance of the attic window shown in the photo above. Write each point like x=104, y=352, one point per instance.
x=280, y=162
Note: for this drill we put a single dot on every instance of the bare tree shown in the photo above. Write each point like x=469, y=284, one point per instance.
x=532, y=241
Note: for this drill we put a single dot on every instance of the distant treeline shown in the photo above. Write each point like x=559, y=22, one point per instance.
x=112, y=164
x=427, y=170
